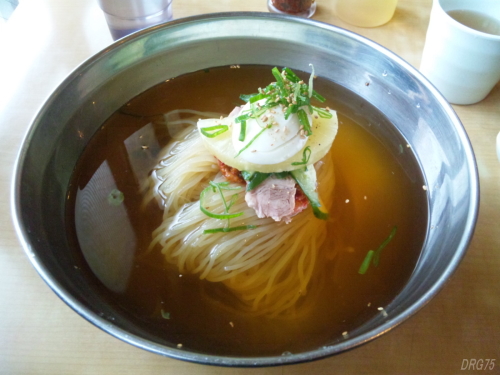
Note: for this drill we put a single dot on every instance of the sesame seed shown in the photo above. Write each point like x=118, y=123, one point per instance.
x=231, y=324
x=345, y=334
x=424, y=187
x=347, y=200
x=369, y=304
x=179, y=345
x=254, y=151
x=380, y=308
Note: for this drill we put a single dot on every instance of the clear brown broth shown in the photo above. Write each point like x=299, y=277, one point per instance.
x=373, y=193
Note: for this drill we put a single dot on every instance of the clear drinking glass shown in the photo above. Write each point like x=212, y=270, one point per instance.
x=126, y=16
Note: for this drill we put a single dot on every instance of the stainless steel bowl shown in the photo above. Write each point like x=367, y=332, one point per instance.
x=369, y=72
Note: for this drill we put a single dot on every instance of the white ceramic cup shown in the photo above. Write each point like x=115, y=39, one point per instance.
x=463, y=63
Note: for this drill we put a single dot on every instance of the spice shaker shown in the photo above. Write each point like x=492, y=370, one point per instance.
x=302, y=8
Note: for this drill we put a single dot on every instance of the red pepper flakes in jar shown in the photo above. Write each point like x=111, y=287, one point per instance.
x=303, y=8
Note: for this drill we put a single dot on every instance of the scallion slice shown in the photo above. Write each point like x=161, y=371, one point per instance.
x=366, y=262
x=243, y=129
x=256, y=180
x=278, y=76
x=211, y=214
x=323, y=113
x=311, y=78
x=304, y=121
x=376, y=256
x=290, y=74
x=306, y=155
x=247, y=97
x=214, y=131
x=258, y=97
x=229, y=229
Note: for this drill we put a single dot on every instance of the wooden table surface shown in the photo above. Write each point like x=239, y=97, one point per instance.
x=44, y=40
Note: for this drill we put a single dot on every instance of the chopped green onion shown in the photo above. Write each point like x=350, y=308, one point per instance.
x=223, y=185
x=229, y=229
x=306, y=155
x=290, y=74
x=247, y=175
x=214, y=131
x=165, y=315
x=247, y=97
x=323, y=113
x=311, y=78
x=288, y=86
x=376, y=257
x=258, y=97
x=243, y=129
x=318, y=97
x=278, y=76
x=256, y=180
x=304, y=121
x=213, y=215
x=296, y=92
x=366, y=262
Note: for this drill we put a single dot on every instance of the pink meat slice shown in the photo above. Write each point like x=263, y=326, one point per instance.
x=235, y=112
x=274, y=198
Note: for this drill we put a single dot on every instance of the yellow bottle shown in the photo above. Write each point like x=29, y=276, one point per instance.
x=365, y=13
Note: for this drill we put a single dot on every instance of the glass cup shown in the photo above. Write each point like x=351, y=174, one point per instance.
x=302, y=8
x=126, y=16
x=461, y=56
x=365, y=13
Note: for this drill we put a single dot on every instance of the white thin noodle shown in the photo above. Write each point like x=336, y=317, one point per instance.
x=268, y=268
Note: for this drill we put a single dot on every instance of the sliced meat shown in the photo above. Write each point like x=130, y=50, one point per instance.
x=276, y=198
x=235, y=112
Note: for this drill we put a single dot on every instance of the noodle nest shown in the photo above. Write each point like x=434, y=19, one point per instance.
x=269, y=269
